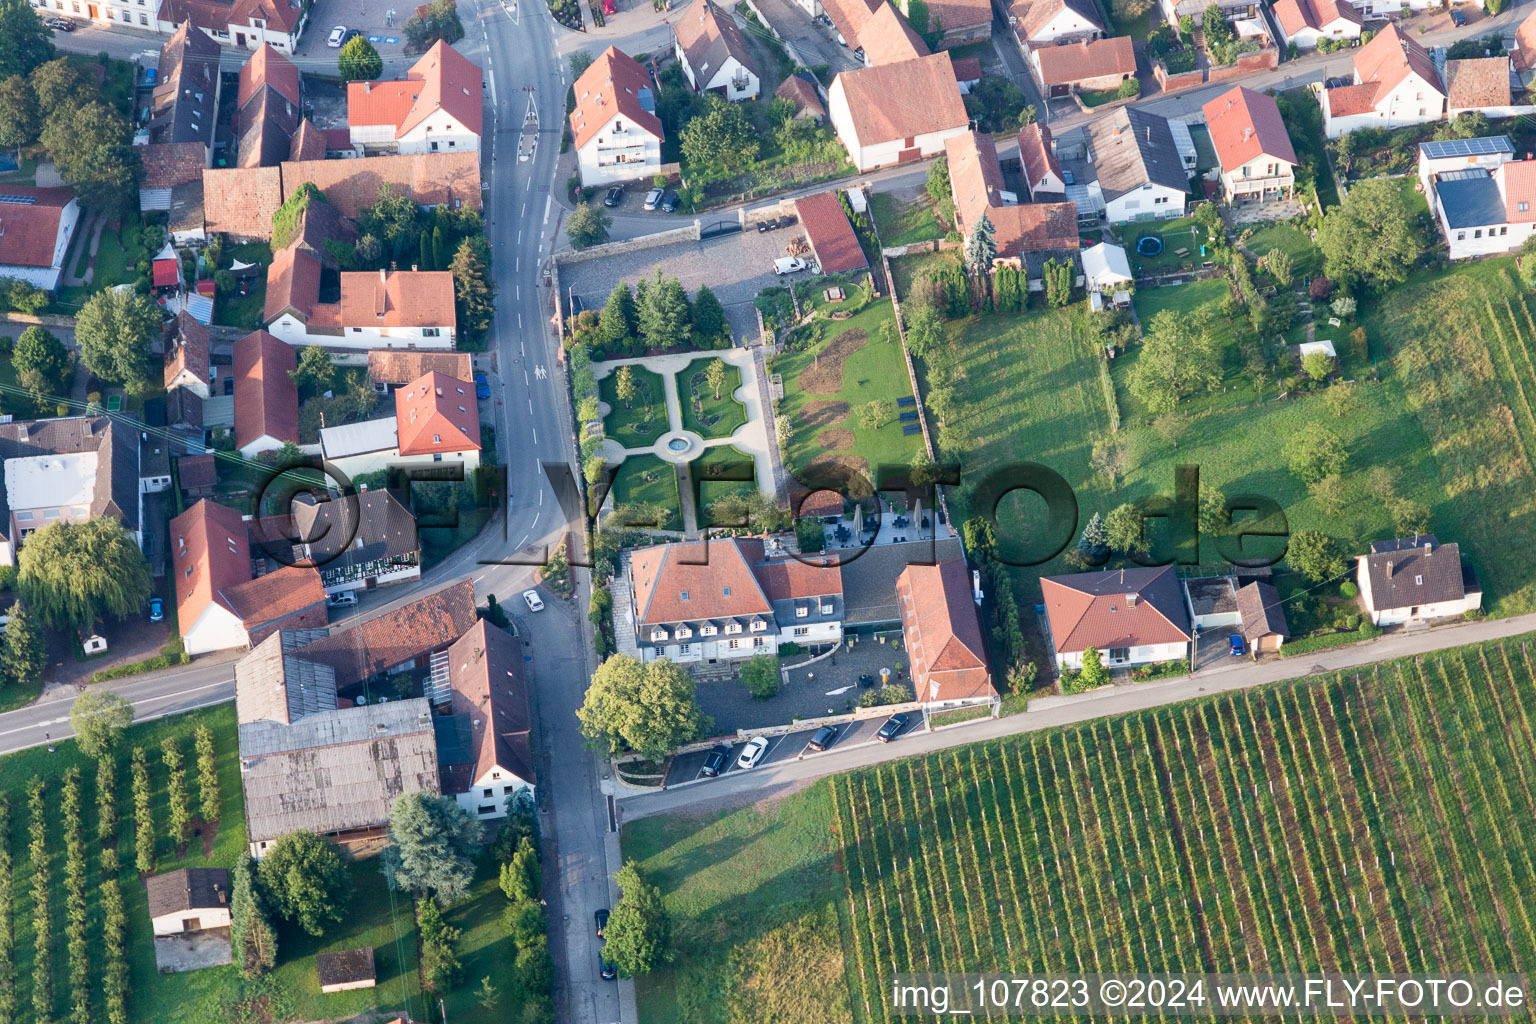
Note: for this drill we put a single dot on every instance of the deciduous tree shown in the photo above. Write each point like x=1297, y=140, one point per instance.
x=1314, y=451
x=760, y=675
x=114, y=330
x=1374, y=235
x=639, y=930
x=587, y=225
x=73, y=573
x=315, y=371
x=1179, y=358
x=98, y=718
x=303, y=879
x=1316, y=555
x=716, y=375
x=25, y=42
x=20, y=117
x=91, y=148
x=24, y=651
x=651, y=708
x=1124, y=529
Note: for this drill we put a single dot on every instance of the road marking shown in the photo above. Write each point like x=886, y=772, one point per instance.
x=530, y=407
x=548, y=200
x=519, y=319
x=519, y=236
x=536, y=441
x=541, y=497
x=526, y=382
x=492, y=79
x=520, y=346
x=520, y=543
x=517, y=265
x=535, y=519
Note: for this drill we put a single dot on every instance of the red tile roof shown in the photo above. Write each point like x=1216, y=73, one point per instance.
x=436, y=413
x=399, y=298
x=210, y=554
x=1524, y=54
x=268, y=67
x=886, y=38
x=293, y=283
x=209, y=15
x=168, y=164
x=1390, y=57
x=485, y=672
x=1033, y=227
x=266, y=399
x=967, y=69
x=802, y=94
x=197, y=471
x=443, y=79
x=1477, y=82
x=1295, y=15
x=265, y=599
x=400, y=635
x=29, y=231
x=831, y=236
x=942, y=632
x=690, y=581
x=240, y=201
x=1518, y=181
x=1080, y=61
x=1347, y=100
x=165, y=272
x=1037, y=155
x=709, y=37
x=401, y=366
x=308, y=142
x=953, y=15
x=280, y=15
x=905, y=100
x=1034, y=15
x=821, y=502
x=429, y=179
x=1118, y=608
x=612, y=85
x=1244, y=125
x=186, y=348
x=850, y=16
x=975, y=178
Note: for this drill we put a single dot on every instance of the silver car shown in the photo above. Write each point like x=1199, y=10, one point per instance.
x=752, y=754
x=653, y=198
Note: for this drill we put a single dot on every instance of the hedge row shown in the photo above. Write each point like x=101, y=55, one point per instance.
x=74, y=902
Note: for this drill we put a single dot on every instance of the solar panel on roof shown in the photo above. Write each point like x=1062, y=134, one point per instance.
x=1469, y=147
x=18, y=200
x=1464, y=174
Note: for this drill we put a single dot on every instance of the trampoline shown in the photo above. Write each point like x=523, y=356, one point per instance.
x=1149, y=245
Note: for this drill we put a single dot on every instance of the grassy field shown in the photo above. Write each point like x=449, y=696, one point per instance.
x=828, y=384
x=714, y=460
x=1464, y=346
x=1185, y=298
x=646, y=479
x=246, y=311
x=1360, y=821
x=644, y=419
x=1184, y=233
x=1306, y=258
x=902, y=223
x=703, y=413
x=908, y=270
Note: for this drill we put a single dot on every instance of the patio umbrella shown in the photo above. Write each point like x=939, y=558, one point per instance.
x=917, y=510
x=858, y=519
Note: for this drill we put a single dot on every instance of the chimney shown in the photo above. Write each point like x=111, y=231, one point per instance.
x=367, y=88
x=1389, y=568
x=383, y=277
x=414, y=268
x=1428, y=549
x=1130, y=600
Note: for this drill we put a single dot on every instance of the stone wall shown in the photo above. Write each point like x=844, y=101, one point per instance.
x=687, y=234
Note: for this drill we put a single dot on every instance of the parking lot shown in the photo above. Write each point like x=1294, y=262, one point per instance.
x=735, y=266
x=383, y=24
x=687, y=767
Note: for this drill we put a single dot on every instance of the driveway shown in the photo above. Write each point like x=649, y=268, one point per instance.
x=735, y=266
x=816, y=44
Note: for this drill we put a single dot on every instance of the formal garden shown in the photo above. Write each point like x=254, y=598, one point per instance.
x=707, y=389
x=637, y=405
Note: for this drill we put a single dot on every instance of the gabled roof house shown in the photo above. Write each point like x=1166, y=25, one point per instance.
x=1131, y=616
x=268, y=108
x=1416, y=579
x=895, y=113
x=713, y=54
x=942, y=631
x=1038, y=230
x=616, y=133
x=484, y=747
x=36, y=225
x=1137, y=166
x=1395, y=84
x=1305, y=23
x=1252, y=146
x=436, y=108
x=67, y=470
x=266, y=398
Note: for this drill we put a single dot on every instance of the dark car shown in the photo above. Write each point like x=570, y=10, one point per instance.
x=482, y=386
x=601, y=917
x=351, y=35
x=892, y=728
x=823, y=738
x=715, y=763
x=229, y=385
x=60, y=24
x=577, y=306
x=1457, y=18
x=1235, y=645
x=669, y=202
x=605, y=968
x=615, y=196
x=156, y=610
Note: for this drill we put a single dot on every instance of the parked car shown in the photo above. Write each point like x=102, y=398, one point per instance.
x=615, y=196
x=337, y=37
x=151, y=76
x=1236, y=646
x=788, y=265
x=535, y=602
x=352, y=33
x=342, y=599
x=601, y=917
x=577, y=306
x=156, y=610
x=716, y=762
x=823, y=738
x=60, y=24
x=606, y=969
x=653, y=198
x=752, y=753
x=1457, y=18
x=482, y=386
x=669, y=202
x=892, y=728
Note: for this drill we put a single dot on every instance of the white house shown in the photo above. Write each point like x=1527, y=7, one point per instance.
x=1252, y=146
x=437, y=107
x=1304, y=23
x=1414, y=579
x=36, y=225
x=1395, y=84
x=189, y=900
x=617, y=135
x=1131, y=616
x=1054, y=21
x=1106, y=269
x=701, y=606
x=1483, y=200
x=1037, y=159
x=243, y=24
x=387, y=309
x=895, y=113
x=1137, y=167
x=140, y=15
x=435, y=421
x=713, y=54
x=483, y=748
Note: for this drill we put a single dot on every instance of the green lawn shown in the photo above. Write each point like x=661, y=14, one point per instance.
x=715, y=461
x=1306, y=258
x=645, y=479
x=639, y=422
x=904, y=223
x=703, y=413
x=1098, y=97
x=909, y=270
x=247, y=311
x=1184, y=298
x=485, y=948
x=1463, y=344
x=1183, y=233
x=828, y=384
x=758, y=910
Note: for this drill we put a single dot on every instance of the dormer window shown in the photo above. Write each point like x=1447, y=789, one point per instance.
x=708, y=630
x=801, y=611
x=758, y=625
x=732, y=627
x=725, y=591
x=658, y=634
x=1418, y=581
x=683, y=596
